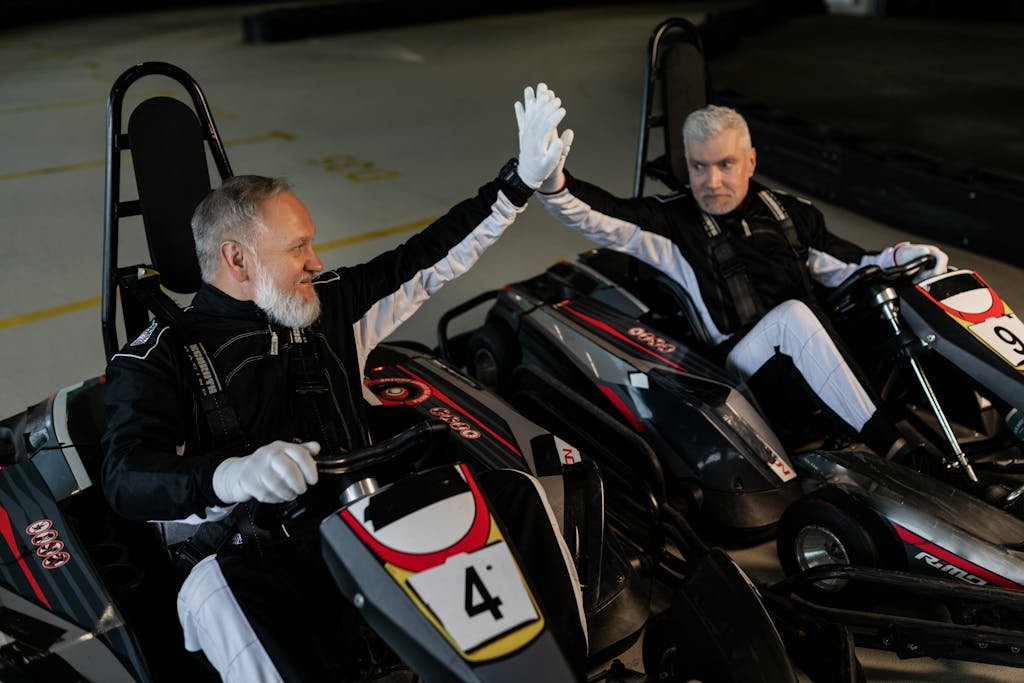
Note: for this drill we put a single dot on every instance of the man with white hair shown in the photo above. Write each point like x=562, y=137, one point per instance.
x=227, y=406
x=746, y=255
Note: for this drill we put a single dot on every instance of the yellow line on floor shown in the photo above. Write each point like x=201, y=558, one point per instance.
x=51, y=169
x=42, y=314
x=272, y=135
x=53, y=105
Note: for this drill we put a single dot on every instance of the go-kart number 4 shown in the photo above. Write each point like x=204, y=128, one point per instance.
x=477, y=597
x=1004, y=335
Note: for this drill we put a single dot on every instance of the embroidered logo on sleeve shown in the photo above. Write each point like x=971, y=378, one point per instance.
x=146, y=334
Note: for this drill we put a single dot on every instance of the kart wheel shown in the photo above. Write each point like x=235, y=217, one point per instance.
x=827, y=528
x=492, y=353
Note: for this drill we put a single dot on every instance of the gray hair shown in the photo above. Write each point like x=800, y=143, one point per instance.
x=711, y=121
x=232, y=212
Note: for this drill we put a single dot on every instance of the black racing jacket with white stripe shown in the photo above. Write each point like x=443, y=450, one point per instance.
x=159, y=450
x=669, y=233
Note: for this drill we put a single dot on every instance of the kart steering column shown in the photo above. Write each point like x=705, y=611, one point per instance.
x=885, y=298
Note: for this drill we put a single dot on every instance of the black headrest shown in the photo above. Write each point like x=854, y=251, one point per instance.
x=685, y=90
x=169, y=157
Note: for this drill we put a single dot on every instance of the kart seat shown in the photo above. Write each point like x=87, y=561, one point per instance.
x=676, y=82
x=168, y=141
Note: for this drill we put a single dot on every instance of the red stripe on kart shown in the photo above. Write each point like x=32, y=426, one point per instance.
x=615, y=333
x=996, y=309
x=444, y=399
x=955, y=560
x=473, y=539
x=622, y=408
x=8, y=533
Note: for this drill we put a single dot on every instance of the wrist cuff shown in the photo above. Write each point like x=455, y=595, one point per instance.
x=513, y=186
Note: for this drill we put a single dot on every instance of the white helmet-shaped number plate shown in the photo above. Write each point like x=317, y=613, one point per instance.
x=476, y=596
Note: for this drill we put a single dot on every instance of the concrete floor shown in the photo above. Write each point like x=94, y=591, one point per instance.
x=379, y=131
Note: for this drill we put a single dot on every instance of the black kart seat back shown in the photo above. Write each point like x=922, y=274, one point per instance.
x=169, y=141
x=172, y=178
x=676, y=82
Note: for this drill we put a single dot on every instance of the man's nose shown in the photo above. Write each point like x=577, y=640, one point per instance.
x=714, y=177
x=313, y=262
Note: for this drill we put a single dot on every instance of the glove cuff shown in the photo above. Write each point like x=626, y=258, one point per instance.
x=512, y=184
x=222, y=486
x=561, y=186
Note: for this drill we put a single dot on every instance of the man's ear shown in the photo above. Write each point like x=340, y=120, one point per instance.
x=753, y=161
x=235, y=260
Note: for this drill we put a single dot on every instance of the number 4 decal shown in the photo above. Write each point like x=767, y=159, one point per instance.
x=475, y=587
x=495, y=601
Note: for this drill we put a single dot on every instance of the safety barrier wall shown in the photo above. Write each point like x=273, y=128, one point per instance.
x=940, y=200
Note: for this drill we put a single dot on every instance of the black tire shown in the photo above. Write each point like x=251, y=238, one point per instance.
x=828, y=527
x=492, y=353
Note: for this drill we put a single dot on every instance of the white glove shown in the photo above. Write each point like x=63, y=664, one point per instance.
x=275, y=473
x=540, y=148
x=556, y=181
x=904, y=252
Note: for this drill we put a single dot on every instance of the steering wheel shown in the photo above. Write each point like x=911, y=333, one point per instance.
x=840, y=297
x=412, y=441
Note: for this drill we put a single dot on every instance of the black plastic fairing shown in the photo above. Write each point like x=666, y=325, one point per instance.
x=959, y=346
x=917, y=492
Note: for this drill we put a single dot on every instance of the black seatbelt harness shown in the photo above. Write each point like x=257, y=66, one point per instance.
x=749, y=307
x=221, y=418
x=744, y=298
x=799, y=249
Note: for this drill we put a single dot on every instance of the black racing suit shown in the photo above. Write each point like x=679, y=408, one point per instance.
x=159, y=454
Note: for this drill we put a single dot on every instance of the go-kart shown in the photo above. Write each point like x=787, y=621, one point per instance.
x=945, y=356
x=854, y=519
x=86, y=595
x=596, y=342
x=434, y=569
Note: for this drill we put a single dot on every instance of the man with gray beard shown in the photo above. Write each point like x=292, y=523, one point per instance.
x=280, y=345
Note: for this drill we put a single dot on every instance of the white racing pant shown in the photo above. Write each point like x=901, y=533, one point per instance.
x=213, y=622
x=793, y=329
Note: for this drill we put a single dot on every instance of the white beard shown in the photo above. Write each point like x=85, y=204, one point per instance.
x=289, y=309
